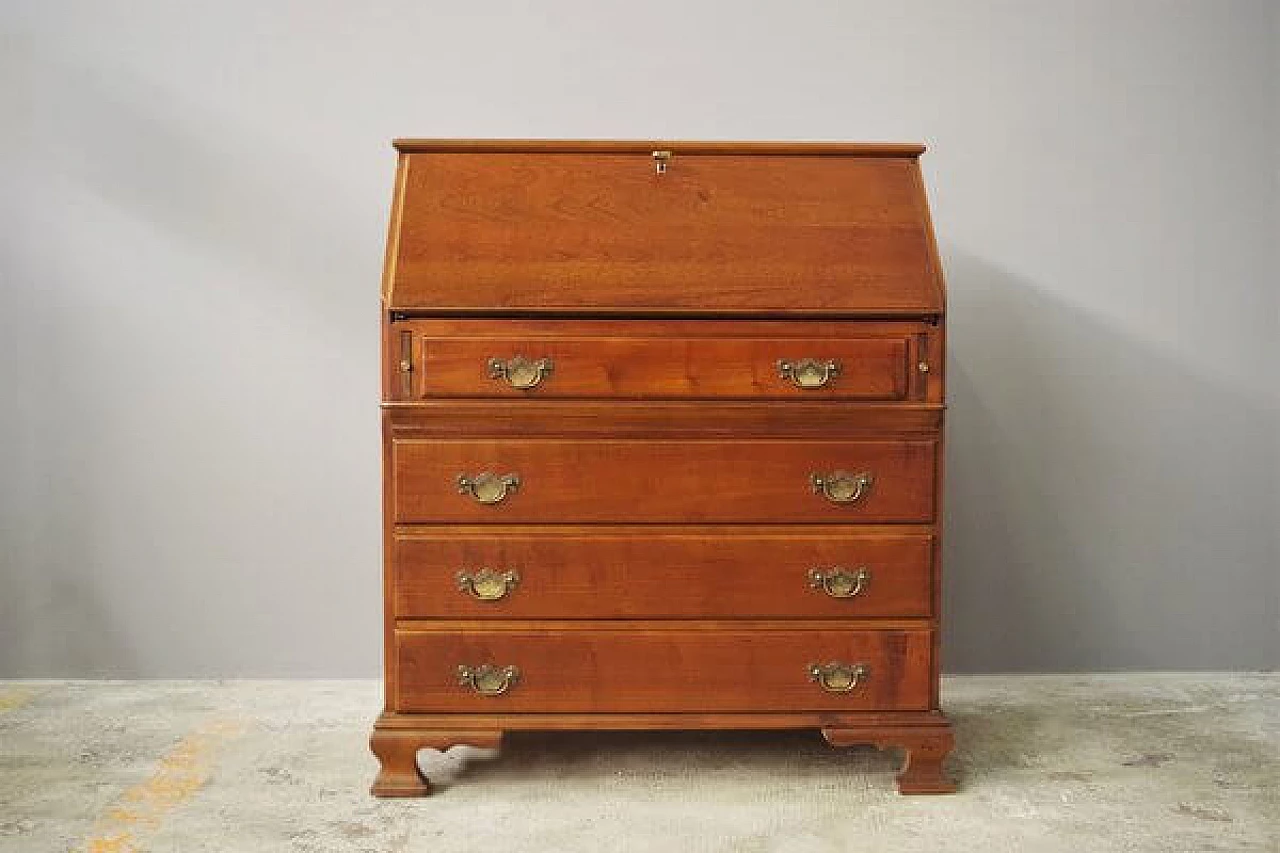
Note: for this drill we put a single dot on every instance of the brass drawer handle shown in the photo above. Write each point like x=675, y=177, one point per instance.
x=488, y=680
x=842, y=487
x=487, y=584
x=840, y=583
x=520, y=372
x=836, y=677
x=808, y=372
x=488, y=488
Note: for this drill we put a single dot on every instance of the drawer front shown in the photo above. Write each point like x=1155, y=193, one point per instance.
x=686, y=481
x=482, y=573
x=647, y=360
x=658, y=670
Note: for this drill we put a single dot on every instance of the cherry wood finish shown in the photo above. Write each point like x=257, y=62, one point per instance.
x=866, y=368
x=662, y=535
x=556, y=231
x=623, y=146
x=662, y=481
x=661, y=669
x=918, y=721
x=924, y=748
x=667, y=419
x=397, y=753
x=877, y=362
x=671, y=573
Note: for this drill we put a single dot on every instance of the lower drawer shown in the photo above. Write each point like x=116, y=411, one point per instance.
x=654, y=669
x=667, y=573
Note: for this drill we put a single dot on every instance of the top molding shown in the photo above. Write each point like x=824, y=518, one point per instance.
x=617, y=146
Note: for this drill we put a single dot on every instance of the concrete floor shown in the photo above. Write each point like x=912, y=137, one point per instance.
x=1062, y=763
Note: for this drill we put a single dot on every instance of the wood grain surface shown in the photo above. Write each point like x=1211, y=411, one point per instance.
x=661, y=669
x=689, y=481
x=662, y=360
x=672, y=573
x=603, y=231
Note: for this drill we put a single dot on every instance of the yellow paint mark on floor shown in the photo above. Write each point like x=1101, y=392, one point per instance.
x=178, y=776
x=13, y=698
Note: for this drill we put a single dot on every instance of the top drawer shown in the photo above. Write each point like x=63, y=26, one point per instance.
x=649, y=359
x=609, y=228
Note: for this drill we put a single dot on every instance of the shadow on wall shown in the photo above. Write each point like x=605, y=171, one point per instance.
x=1108, y=505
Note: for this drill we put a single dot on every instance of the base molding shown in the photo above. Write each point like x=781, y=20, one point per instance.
x=925, y=737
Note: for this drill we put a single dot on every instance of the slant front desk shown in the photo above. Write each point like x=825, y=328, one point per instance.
x=662, y=442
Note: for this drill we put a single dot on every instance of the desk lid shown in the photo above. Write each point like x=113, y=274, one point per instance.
x=649, y=227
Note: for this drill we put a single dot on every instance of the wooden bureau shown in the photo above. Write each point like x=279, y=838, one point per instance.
x=662, y=445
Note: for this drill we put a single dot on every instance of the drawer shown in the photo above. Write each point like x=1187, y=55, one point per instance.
x=518, y=573
x=677, y=481
x=660, y=360
x=655, y=669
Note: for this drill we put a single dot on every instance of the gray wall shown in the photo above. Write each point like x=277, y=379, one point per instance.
x=192, y=209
